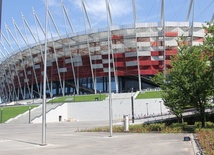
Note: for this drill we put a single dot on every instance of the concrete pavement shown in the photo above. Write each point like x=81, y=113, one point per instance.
x=62, y=139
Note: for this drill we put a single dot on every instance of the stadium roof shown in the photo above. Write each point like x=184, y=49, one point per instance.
x=121, y=13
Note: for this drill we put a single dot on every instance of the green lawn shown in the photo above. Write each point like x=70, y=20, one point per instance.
x=79, y=98
x=12, y=111
x=149, y=95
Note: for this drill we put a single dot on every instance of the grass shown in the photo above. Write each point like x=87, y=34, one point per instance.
x=79, y=98
x=149, y=95
x=10, y=112
x=157, y=127
x=146, y=128
x=206, y=140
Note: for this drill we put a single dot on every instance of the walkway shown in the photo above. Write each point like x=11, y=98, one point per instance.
x=62, y=138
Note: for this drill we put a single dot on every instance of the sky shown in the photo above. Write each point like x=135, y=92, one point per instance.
x=121, y=10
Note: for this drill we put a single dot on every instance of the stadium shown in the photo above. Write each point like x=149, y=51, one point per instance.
x=82, y=63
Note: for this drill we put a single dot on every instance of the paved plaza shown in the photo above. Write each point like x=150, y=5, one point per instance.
x=63, y=139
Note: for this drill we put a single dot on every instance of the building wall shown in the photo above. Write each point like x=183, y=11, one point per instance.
x=99, y=110
x=56, y=115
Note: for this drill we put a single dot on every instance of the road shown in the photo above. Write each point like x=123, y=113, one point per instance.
x=63, y=138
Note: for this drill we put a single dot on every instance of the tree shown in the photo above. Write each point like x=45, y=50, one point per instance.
x=190, y=80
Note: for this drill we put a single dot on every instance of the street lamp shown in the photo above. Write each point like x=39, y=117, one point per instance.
x=132, y=102
x=160, y=107
x=1, y=114
x=33, y=98
x=51, y=98
x=147, y=109
x=29, y=108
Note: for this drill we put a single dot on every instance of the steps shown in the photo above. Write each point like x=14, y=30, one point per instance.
x=35, y=112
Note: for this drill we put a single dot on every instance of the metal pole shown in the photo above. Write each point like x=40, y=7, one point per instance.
x=109, y=73
x=160, y=108
x=29, y=114
x=147, y=109
x=132, y=101
x=1, y=115
x=44, y=81
x=193, y=11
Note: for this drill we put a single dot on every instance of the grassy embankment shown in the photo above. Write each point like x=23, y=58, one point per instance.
x=100, y=97
x=12, y=111
x=79, y=98
x=149, y=95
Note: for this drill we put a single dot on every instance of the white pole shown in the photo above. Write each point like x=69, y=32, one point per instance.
x=44, y=81
x=109, y=73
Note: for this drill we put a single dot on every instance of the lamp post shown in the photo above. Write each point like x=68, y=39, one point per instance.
x=29, y=108
x=160, y=107
x=147, y=109
x=132, y=101
x=1, y=114
x=51, y=98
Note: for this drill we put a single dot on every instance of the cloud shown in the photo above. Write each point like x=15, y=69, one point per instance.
x=52, y=3
x=97, y=8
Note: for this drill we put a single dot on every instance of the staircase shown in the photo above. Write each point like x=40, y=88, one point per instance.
x=35, y=112
x=81, y=88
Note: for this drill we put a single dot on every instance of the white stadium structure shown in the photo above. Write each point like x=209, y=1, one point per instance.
x=82, y=63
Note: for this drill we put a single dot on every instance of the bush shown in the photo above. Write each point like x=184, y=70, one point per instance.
x=139, y=128
x=182, y=125
x=207, y=124
x=197, y=124
x=172, y=130
x=156, y=127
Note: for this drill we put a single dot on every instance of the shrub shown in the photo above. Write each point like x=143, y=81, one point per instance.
x=138, y=128
x=182, y=125
x=207, y=124
x=197, y=124
x=156, y=127
x=172, y=130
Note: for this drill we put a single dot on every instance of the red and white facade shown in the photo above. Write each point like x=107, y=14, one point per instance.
x=142, y=50
x=83, y=62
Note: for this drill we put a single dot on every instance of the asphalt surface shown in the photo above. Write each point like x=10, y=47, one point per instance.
x=64, y=139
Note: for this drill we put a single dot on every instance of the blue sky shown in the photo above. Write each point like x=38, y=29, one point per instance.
x=122, y=12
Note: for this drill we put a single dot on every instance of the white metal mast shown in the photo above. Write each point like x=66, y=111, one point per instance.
x=21, y=55
x=163, y=32
x=193, y=16
x=189, y=11
x=109, y=72
x=89, y=52
x=191, y=8
x=9, y=44
x=44, y=80
x=71, y=55
x=212, y=20
x=138, y=61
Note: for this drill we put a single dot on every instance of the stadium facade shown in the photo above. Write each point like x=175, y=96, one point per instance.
x=79, y=63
